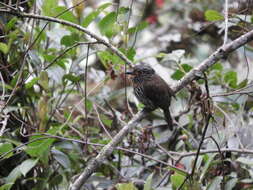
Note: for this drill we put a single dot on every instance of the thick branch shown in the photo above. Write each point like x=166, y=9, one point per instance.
x=67, y=23
x=212, y=59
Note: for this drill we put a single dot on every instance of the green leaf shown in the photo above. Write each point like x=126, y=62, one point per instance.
x=105, y=120
x=6, y=186
x=10, y=25
x=107, y=25
x=138, y=28
x=62, y=158
x=208, y=162
x=93, y=15
x=217, y=67
x=242, y=84
x=106, y=57
x=71, y=78
x=125, y=186
x=44, y=80
x=177, y=180
x=148, y=184
x=131, y=53
x=31, y=83
x=48, y=7
x=89, y=104
x=13, y=176
x=186, y=67
x=4, y=48
x=212, y=15
x=123, y=10
x=27, y=165
x=67, y=15
x=177, y=75
x=231, y=78
x=6, y=147
x=39, y=147
x=88, y=19
x=23, y=168
x=70, y=40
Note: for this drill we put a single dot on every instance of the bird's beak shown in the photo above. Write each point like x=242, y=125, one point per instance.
x=129, y=73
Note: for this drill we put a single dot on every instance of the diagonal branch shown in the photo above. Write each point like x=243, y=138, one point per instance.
x=73, y=25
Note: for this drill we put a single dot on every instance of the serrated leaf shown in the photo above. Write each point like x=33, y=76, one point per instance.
x=212, y=15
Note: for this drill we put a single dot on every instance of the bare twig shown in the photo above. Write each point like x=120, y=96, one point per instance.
x=101, y=123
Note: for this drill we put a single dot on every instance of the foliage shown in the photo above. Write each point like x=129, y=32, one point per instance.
x=62, y=100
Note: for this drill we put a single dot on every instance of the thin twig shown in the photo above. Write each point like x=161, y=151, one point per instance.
x=101, y=123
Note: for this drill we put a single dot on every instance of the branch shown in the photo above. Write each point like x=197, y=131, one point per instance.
x=73, y=25
x=213, y=58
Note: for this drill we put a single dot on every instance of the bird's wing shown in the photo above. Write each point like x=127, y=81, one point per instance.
x=158, y=91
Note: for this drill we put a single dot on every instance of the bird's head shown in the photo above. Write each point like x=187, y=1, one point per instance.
x=141, y=71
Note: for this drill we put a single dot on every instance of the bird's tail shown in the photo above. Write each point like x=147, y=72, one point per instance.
x=168, y=118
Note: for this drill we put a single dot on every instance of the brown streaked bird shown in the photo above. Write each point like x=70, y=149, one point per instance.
x=152, y=91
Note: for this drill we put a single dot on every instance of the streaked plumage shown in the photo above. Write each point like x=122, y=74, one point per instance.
x=152, y=91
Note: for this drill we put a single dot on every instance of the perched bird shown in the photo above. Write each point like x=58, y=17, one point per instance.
x=152, y=91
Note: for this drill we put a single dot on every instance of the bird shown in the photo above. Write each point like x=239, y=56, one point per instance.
x=151, y=90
